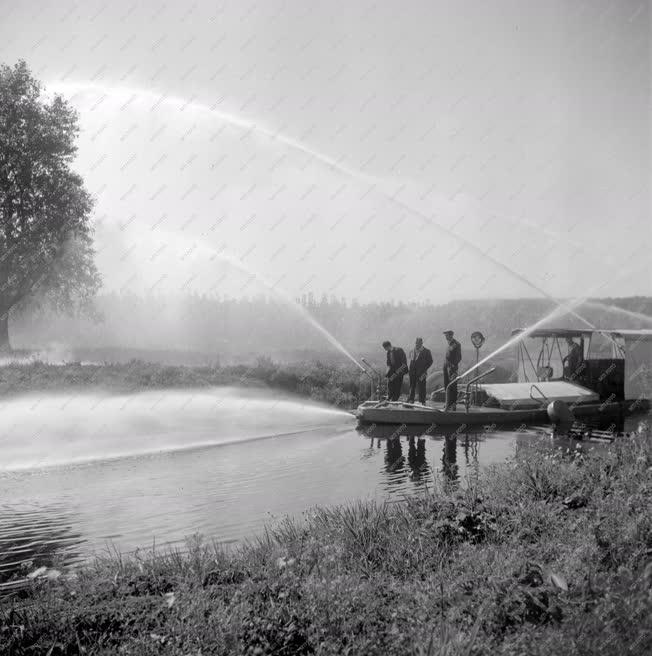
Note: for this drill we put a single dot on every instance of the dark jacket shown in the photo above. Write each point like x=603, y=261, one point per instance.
x=396, y=362
x=453, y=355
x=422, y=363
x=574, y=358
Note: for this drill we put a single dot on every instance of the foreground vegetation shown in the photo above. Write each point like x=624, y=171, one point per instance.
x=550, y=553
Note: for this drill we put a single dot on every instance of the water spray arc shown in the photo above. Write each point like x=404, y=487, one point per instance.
x=100, y=427
x=284, y=296
x=501, y=265
x=281, y=293
x=280, y=138
x=614, y=308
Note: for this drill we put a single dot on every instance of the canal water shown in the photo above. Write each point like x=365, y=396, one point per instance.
x=85, y=475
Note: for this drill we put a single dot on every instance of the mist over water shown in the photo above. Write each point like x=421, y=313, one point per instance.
x=50, y=430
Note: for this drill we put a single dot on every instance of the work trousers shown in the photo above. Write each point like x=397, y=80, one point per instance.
x=394, y=385
x=418, y=384
x=450, y=373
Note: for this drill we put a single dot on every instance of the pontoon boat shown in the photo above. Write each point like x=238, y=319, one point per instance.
x=613, y=381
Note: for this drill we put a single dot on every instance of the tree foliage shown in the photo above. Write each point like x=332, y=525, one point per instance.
x=46, y=245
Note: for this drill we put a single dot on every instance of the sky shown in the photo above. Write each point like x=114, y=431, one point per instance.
x=416, y=151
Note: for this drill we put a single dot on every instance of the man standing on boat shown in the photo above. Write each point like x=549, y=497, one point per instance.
x=420, y=361
x=451, y=363
x=396, y=369
x=573, y=361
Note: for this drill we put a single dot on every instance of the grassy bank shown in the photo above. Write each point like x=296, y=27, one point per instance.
x=338, y=385
x=548, y=554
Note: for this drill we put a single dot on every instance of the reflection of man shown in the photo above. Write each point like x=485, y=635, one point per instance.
x=396, y=369
x=417, y=458
x=573, y=361
x=420, y=361
x=451, y=363
x=394, y=459
x=449, y=460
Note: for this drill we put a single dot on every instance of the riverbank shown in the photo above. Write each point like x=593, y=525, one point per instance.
x=550, y=553
x=339, y=385
x=334, y=384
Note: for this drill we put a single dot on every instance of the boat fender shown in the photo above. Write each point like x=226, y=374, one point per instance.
x=559, y=413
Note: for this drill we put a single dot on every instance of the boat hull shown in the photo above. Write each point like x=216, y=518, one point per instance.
x=434, y=416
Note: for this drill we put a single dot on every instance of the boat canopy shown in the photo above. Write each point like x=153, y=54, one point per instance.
x=643, y=334
x=553, y=332
x=528, y=395
x=633, y=346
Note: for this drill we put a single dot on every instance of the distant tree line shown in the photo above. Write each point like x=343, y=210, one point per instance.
x=242, y=329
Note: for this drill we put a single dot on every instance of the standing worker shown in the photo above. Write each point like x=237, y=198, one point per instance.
x=573, y=361
x=451, y=363
x=420, y=361
x=396, y=369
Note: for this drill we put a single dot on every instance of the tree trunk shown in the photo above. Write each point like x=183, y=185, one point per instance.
x=4, y=332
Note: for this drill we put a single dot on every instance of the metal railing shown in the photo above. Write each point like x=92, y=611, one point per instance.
x=468, y=385
x=458, y=378
x=536, y=387
x=372, y=377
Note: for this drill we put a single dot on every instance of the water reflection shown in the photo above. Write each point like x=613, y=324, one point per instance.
x=419, y=471
x=35, y=537
x=449, y=462
x=471, y=457
x=394, y=459
x=230, y=492
x=444, y=444
x=399, y=469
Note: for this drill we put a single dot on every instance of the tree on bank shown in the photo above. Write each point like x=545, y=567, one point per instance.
x=46, y=244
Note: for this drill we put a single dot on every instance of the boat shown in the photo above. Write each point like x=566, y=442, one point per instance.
x=613, y=381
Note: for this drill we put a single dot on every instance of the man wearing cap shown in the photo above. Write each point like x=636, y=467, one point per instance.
x=451, y=363
x=420, y=361
x=396, y=369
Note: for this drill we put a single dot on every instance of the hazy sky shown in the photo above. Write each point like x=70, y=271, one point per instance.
x=522, y=127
